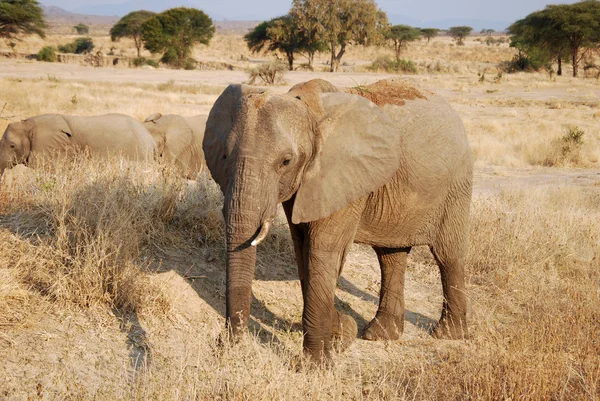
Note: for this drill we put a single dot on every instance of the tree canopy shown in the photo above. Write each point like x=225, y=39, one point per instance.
x=130, y=26
x=559, y=31
x=400, y=36
x=82, y=29
x=340, y=23
x=429, y=33
x=459, y=33
x=175, y=31
x=21, y=17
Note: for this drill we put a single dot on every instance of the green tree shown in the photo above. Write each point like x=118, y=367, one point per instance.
x=282, y=34
x=175, y=31
x=78, y=46
x=340, y=23
x=559, y=31
x=20, y=17
x=130, y=26
x=82, y=29
x=459, y=33
x=539, y=40
x=400, y=36
x=429, y=33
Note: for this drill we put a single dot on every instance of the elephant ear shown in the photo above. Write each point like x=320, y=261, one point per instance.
x=360, y=152
x=153, y=118
x=218, y=129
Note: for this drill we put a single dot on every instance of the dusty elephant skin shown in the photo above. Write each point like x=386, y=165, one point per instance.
x=393, y=175
x=179, y=141
x=26, y=140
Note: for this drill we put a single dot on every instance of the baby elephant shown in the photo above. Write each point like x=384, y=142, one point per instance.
x=26, y=140
x=179, y=141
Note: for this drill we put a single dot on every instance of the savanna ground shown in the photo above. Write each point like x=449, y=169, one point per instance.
x=112, y=273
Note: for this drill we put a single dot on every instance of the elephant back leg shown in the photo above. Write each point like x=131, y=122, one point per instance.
x=388, y=323
x=449, y=250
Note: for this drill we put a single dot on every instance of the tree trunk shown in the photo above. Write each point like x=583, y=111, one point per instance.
x=290, y=57
x=138, y=45
x=332, y=61
x=339, y=56
x=575, y=53
x=397, y=50
x=559, y=72
x=311, y=59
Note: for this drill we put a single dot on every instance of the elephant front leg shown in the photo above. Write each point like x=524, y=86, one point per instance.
x=324, y=327
x=388, y=323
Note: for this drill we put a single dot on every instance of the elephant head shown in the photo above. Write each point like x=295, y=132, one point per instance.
x=22, y=139
x=314, y=146
x=15, y=145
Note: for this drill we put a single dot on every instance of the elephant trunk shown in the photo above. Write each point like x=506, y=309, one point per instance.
x=243, y=218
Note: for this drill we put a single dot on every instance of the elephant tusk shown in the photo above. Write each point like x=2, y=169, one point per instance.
x=264, y=230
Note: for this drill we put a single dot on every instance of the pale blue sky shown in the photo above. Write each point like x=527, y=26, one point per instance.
x=422, y=10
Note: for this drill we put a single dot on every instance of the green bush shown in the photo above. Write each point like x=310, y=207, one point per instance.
x=152, y=63
x=387, y=64
x=141, y=61
x=170, y=57
x=78, y=46
x=526, y=62
x=47, y=53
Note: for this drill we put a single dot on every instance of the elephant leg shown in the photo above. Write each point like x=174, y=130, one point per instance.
x=326, y=245
x=388, y=323
x=298, y=233
x=449, y=251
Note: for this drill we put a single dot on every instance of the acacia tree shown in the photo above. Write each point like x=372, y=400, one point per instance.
x=559, y=31
x=21, y=17
x=429, y=33
x=459, y=33
x=539, y=39
x=82, y=29
x=342, y=22
x=130, y=26
x=400, y=36
x=173, y=33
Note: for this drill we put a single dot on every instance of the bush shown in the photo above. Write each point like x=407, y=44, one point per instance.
x=141, y=61
x=526, y=62
x=48, y=54
x=388, y=64
x=190, y=64
x=270, y=73
x=78, y=46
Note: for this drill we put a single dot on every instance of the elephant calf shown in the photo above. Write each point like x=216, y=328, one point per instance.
x=102, y=135
x=388, y=166
x=179, y=141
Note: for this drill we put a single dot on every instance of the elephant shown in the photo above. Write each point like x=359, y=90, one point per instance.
x=387, y=165
x=24, y=141
x=179, y=140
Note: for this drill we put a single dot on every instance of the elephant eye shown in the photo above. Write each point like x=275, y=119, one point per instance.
x=286, y=162
x=12, y=146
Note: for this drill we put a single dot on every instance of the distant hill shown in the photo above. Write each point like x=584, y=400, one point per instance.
x=58, y=15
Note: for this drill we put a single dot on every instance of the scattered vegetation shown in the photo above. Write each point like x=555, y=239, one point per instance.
x=173, y=33
x=21, y=17
x=81, y=29
x=270, y=73
x=130, y=26
x=387, y=64
x=141, y=61
x=78, y=46
x=400, y=36
x=48, y=54
x=459, y=33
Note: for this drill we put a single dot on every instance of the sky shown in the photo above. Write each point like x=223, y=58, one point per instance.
x=422, y=10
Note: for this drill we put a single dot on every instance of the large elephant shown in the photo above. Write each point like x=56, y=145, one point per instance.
x=26, y=140
x=392, y=173
x=179, y=140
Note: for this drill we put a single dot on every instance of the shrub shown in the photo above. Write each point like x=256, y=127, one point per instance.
x=525, y=62
x=388, y=64
x=190, y=64
x=48, y=54
x=270, y=73
x=78, y=46
x=141, y=61
x=82, y=29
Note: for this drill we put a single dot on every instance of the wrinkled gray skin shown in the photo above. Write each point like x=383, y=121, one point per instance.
x=346, y=171
x=179, y=141
x=24, y=141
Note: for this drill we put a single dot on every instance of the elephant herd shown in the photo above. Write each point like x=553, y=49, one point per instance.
x=387, y=165
x=171, y=138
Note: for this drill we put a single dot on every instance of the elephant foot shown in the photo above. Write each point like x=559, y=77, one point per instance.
x=344, y=331
x=450, y=329
x=384, y=327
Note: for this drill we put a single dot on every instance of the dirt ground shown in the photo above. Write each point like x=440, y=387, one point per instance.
x=48, y=349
